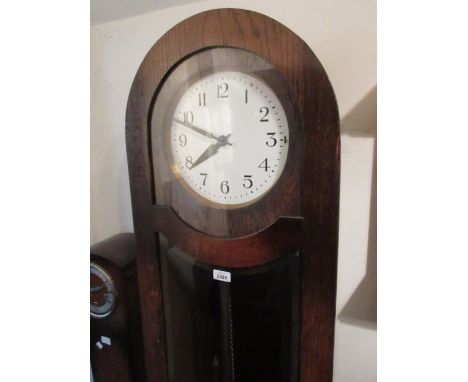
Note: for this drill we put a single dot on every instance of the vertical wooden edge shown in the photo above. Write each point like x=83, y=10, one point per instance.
x=152, y=315
x=147, y=259
x=321, y=212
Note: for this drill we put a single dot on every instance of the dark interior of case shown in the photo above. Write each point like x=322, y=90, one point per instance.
x=243, y=330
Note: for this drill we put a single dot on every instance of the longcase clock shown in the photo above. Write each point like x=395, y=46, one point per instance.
x=233, y=148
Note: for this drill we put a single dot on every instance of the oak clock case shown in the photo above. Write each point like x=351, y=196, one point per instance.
x=115, y=335
x=233, y=151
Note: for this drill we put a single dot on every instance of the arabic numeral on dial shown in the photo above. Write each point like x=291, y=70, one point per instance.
x=264, y=164
x=246, y=96
x=272, y=140
x=188, y=117
x=248, y=183
x=182, y=140
x=204, y=175
x=264, y=111
x=201, y=99
x=224, y=187
x=188, y=161
x=222, y=90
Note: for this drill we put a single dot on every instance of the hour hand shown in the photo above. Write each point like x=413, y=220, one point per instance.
x=210, y=151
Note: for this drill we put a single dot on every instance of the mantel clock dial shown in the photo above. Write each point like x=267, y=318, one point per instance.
x=102, y=292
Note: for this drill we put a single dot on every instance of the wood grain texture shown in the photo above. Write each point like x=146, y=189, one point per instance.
x=318, y=177
x=282, y=237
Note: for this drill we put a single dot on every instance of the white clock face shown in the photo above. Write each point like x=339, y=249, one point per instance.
x=229, y=138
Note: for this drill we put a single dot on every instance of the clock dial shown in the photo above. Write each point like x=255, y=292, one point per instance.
x=229, y=138
x=102, y=292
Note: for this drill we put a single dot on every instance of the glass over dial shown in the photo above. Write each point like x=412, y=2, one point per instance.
x=229, y=138
x=103, y=293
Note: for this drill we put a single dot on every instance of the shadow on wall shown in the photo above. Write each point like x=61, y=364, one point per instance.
x=361, y=121
x=361, y=308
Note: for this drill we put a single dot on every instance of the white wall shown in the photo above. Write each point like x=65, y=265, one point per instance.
x=342, y=34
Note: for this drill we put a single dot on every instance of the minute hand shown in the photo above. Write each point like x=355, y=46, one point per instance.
x=198, y=130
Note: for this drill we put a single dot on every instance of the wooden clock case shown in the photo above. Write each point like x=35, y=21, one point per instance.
x=122, y=361
x=304, y=221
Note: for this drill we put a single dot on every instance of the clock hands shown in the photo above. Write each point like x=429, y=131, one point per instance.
x=211, y=150
x=221, y=139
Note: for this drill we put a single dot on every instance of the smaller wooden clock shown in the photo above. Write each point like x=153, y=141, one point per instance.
x=115, y=337
x=232, y=135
